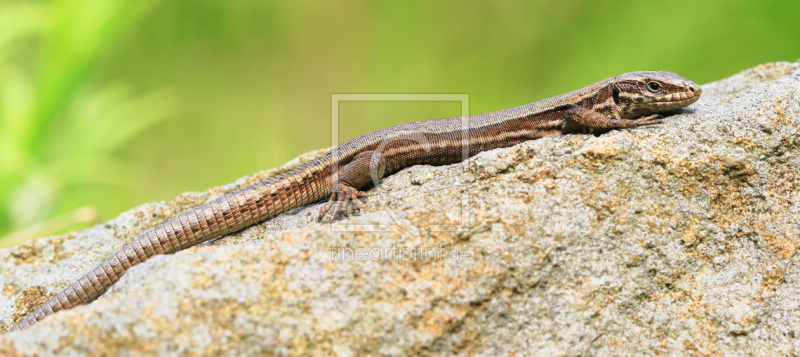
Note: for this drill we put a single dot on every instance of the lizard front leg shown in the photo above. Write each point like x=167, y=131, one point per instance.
x=580, y=117
x=366, y=167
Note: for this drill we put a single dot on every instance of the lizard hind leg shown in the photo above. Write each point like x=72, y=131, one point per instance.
x=343, y=201
x=366, y=167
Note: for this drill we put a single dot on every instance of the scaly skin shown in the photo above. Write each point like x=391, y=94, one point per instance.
x=625, y=101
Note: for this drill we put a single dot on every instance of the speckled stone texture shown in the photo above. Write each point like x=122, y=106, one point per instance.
x=678, y=239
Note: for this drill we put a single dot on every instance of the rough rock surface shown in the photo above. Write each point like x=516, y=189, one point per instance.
x=669, y=240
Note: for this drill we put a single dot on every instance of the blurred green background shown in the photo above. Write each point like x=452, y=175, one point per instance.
x=107, y=104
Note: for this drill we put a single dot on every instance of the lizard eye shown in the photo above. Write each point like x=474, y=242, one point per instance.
x=654, y=86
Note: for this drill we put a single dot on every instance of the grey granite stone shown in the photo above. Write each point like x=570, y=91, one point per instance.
x=677, y=239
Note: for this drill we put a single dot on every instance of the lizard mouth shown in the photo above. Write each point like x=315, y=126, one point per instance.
x=679, y=98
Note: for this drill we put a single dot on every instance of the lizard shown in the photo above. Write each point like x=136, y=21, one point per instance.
x=625, y=101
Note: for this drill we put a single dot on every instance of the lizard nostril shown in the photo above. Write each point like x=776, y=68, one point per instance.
x=692, y=89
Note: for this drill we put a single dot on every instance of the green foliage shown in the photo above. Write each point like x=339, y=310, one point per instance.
x=56, y=125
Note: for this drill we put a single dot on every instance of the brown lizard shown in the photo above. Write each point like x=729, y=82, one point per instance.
x=625, y=101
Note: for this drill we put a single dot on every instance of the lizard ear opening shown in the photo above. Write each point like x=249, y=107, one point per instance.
x=615, y=94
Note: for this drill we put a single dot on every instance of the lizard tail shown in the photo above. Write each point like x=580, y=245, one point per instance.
x=236, y=210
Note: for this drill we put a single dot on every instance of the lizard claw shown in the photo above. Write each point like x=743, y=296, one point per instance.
x=342, y=202
x=649, y=120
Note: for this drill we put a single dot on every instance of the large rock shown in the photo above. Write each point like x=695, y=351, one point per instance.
x=674, y=239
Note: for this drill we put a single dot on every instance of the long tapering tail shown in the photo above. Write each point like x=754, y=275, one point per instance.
x=236, y=210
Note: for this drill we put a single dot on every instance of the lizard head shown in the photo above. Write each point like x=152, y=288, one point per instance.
x=644, y=93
